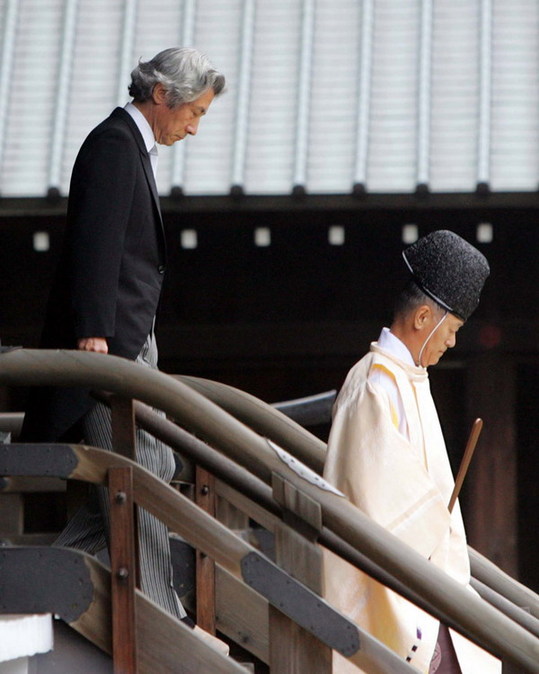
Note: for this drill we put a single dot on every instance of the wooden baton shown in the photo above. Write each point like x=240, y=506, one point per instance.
x=465, y=463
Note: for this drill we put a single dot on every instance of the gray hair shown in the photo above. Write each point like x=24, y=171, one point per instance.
x=185, y=74
x=411, y=298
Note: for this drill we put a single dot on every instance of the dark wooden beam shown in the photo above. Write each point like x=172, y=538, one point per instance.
x=491, y=486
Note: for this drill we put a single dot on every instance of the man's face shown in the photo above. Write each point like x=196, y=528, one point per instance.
x=445, y=337
x=172, y=124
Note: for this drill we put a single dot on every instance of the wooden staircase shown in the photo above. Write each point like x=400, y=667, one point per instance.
x=263, y=465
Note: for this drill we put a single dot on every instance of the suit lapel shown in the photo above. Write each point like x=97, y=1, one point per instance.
x=144, y=157
x=147, y=165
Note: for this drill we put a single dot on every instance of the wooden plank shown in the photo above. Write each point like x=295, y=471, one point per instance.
x=301, y=558
x=123, y=570
x=33, y=484
x=205, y=566
x=167, y=645
x=302, y=507
x=123, y=426
x=293, y=650
x=229, y=514
x=242, y=614
x=492, y=522
x=30, y=539
x=251, y=508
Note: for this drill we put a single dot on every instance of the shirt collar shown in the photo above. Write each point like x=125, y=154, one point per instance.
x=393, y=345
x=143, y=126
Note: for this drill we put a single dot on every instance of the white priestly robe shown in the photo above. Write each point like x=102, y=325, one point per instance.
x=404, y=482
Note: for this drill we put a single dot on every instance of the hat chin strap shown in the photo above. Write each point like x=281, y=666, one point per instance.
x=442, y=319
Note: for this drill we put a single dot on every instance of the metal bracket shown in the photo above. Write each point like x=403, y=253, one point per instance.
x=44, y=580
x=56, y=460
x=302, y=470
x=300, y=604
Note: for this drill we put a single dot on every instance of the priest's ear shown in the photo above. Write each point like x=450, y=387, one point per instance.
x=423, y=317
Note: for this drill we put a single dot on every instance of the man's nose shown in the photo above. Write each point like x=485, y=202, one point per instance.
x=192, y=128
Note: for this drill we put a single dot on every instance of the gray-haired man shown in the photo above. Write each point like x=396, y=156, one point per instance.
x=109, y=279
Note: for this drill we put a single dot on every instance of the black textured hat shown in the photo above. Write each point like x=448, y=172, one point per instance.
x=449, y=270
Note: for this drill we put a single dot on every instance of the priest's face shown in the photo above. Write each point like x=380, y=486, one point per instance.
x=442, y=329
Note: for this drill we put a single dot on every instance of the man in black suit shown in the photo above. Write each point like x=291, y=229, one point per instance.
x=109, y=279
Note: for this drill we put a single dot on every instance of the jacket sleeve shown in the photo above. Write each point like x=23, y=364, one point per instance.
x=102, y=186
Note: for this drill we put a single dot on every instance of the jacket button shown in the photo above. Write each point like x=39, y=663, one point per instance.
x=161, y=269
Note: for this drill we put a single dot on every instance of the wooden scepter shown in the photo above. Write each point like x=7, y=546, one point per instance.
x=466, y=459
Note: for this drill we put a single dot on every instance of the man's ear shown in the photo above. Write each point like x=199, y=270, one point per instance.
x=159, y=94
x=422, y=317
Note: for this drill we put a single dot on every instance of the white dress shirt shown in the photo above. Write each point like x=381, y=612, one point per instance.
x=147, y=134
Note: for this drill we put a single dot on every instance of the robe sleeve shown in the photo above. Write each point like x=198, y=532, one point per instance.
x=381, y=472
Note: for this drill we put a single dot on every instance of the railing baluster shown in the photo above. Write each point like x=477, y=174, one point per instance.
x=205, y=566
x=124, y=443
x=123, y=570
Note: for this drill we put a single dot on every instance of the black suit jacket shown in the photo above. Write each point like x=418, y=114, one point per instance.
x=110, y=273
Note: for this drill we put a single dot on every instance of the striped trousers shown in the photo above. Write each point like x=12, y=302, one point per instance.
x=89, y=528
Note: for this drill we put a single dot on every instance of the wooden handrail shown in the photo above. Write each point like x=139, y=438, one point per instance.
x=261, y=494
x=199, y=415
x=492, y=576
x=263, y=419
x=487, y=573
x=311, y=410
x=11, y=422
x=198, y=528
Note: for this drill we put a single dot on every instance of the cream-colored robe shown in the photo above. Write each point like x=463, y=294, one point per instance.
x=405, y=485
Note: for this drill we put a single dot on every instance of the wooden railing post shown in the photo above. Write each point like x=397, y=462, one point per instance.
x=123, y=545
x=205, y=566
x=292, y=649
x=123, y=426
x=124, y=443
x=123, y=570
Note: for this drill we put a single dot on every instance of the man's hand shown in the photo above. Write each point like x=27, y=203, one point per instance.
x=96, y=344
